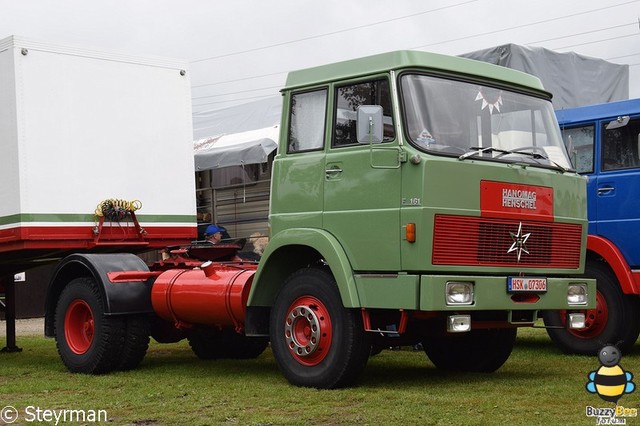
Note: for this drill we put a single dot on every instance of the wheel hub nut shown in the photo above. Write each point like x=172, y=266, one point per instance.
x=302, y=331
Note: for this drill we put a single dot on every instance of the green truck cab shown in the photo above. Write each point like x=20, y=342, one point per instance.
x=416, y=198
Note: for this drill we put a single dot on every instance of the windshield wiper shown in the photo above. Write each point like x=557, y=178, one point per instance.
x=534, y=155
x=475, y=150
x=478, y=150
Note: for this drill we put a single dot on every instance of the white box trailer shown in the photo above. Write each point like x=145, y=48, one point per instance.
x=78, y=127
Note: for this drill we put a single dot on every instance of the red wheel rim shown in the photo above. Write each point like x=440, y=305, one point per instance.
x=595, y=320
x=307, y=330
x=79, y=326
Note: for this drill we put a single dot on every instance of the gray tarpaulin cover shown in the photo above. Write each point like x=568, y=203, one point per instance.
x=573, y=79
x=242, y=148
x=243, y=134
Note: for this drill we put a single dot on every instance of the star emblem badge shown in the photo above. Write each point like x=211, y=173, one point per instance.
x=519, y=242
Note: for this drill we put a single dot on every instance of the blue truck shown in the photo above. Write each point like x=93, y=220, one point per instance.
x=604, y=143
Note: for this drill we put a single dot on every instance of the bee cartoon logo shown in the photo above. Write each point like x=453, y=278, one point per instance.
x=610, y=381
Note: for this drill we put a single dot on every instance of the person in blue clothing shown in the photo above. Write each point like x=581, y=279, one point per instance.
x=214, y=234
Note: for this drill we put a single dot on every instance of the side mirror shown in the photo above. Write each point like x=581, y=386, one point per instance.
x=369, y=124
x=618, y=122
x=571, y=150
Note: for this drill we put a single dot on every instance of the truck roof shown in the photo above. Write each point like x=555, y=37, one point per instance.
x=598, y=111
x=404, y=59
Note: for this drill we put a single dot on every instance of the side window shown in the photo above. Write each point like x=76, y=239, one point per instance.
x=349, y=98
x=620, y=145
x=307, y=121
x=579, y=144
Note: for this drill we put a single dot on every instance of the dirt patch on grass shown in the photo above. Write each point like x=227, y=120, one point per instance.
x=25, y=327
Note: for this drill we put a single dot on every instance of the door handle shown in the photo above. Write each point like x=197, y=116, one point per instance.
x=333, y=171
x=605, y=189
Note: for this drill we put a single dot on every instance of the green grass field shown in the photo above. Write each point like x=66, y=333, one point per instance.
x=537, y=386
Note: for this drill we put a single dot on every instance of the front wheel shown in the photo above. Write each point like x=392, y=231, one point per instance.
x=315, y=340
x=615, y=319
x=482, y=351
x=87, y=340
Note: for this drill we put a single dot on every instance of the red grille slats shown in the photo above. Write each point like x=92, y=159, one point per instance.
x=476, y=241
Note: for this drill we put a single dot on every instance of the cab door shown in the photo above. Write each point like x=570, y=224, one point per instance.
x=298, y=170
x=362, y=181
x=617, y=186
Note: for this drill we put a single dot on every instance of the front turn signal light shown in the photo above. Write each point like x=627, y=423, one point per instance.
x=410, y=232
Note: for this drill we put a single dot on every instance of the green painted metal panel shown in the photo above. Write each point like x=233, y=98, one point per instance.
x=491, y=294
x=388, y=291
x=447, y=186
x=285, y=254
x=361, y=208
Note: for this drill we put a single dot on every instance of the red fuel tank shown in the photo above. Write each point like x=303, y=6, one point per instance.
x=215, y=294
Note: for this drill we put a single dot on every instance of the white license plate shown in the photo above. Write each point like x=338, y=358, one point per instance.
x=526, y=284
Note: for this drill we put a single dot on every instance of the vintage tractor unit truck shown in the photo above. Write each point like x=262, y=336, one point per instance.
x=415, y=198
x=604, y=143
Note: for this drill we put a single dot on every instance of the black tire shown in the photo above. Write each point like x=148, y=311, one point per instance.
x=214, y=343
x=243, y=347
x=615, y=320
x=136, y=342
x=482, y=351
x=207, y=342
x=315, y=340
x=164, y=331
x=87, y=340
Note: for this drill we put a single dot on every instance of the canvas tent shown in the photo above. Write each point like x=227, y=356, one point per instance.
x=573, y=79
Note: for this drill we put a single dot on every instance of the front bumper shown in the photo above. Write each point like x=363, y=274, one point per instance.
x=427, y=293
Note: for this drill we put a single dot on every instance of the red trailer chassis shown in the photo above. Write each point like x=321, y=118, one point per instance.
x=23, y=248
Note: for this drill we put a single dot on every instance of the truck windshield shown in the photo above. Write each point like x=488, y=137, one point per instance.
x=473, y=121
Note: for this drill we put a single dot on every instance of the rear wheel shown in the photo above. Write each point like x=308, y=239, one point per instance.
x=315, y=340
x=244, y=347
x=481, y=351
x=136, y=342
x=215, y=343
x=87, y=340
x=615, y=320
x=206, y=342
